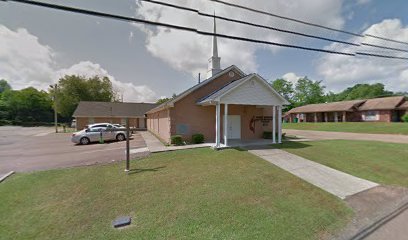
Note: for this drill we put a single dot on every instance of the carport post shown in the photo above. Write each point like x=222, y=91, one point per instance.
x=274, y=124
x=127, y=146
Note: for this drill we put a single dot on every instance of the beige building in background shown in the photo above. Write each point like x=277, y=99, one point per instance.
x=112, y=112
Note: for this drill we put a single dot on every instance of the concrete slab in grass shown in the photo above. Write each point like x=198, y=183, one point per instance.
x=333, y=181
x=5, y=175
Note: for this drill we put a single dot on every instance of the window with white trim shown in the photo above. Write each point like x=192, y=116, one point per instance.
x=371, y=116
x=91, y=120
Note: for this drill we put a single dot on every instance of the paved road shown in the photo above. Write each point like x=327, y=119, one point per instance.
x=322, y=135
x=396, y=229
x=39, y=148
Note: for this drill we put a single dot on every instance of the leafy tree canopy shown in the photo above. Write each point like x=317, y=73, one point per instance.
x=27, y=105
x=163, y=100
x=308, y=92
x=360, y=91
x=4, y=86
x=73, y=88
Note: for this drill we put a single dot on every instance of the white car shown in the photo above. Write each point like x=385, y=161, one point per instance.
x=94, y=133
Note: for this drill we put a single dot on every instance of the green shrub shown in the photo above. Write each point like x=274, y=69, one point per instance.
x=177, y=140
x=405, y=118
x=197, y=138
x=268, y=135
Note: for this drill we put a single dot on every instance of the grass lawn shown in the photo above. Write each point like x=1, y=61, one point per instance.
x=385, y=163
x=191, y=194
x=355, y=127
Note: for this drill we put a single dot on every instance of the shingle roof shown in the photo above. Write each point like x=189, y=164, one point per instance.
x=344, y=106
x=403, y=106
x=112, y=109
x=386, y=103
x=195, y=87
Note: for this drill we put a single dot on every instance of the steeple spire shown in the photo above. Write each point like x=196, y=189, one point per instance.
x=214, y=63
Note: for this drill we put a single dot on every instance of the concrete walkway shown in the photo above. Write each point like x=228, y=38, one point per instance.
x=335, y=182
x=308, y=135
x=154, y=145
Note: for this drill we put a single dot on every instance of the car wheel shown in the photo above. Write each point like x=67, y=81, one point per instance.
x=84, y=141
x=120, y=137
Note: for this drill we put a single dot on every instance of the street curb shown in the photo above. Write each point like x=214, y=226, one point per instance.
x=381, y=222
x=6, y=176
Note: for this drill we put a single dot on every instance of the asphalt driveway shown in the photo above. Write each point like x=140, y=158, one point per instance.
x=25, y=149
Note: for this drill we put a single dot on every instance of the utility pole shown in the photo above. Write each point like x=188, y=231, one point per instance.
x=127, y=169
x=55, y=87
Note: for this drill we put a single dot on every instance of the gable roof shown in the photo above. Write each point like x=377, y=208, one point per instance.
x=386, y=103
x=215, y=96
x=112, y=109
x=344, y=106
x=180, y=96
x=403, y=105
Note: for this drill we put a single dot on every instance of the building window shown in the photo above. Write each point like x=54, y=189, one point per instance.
x=91, y=120
x=123, y=122
x=371, y=116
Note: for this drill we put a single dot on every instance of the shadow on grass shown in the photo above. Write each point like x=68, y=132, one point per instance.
x=284, y=145
x=141, y=170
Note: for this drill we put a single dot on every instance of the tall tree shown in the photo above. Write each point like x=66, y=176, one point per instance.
x=308, y=92
x=361, y=91
x=73, y=88
x=284, y=88
x=4, y=86
x=28, y=105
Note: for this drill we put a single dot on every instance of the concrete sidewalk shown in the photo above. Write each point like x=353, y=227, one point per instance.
x=154, y=145
x=308, y=135
x=333, y=181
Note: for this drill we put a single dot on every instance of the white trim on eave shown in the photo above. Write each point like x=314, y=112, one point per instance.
x=260, y=79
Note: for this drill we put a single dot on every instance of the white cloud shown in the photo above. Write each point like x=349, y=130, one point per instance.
x=189, y=52
x=342, y=71
x=291, y=77
x=25, y=62
x=363, y=2
x=129, y=91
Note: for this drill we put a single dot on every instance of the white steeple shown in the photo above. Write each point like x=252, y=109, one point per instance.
x=214, y=63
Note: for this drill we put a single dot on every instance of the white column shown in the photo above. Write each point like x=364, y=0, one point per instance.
x=336, y=117
x=217, y=125
x=226, y=124
x=280, y=124
x=274, y=125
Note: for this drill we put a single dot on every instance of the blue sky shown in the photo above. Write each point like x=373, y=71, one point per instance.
x=39, y=45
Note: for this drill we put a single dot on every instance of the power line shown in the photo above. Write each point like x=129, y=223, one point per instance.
x=386, y=39
x=389, y=48
x=248, y=23
x=380, y=55
x=305, y=22
x=178, y=27
x=286, y=18
x=268, y=27
x=188, y=29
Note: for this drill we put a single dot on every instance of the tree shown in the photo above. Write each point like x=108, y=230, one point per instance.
x=361, y=91
x=73, y=88
x=165, y=99
x=4, y=86
x=27, y=105
x=284, y=88
x=308, y=92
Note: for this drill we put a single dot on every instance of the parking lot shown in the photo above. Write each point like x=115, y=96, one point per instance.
x=25, y=149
